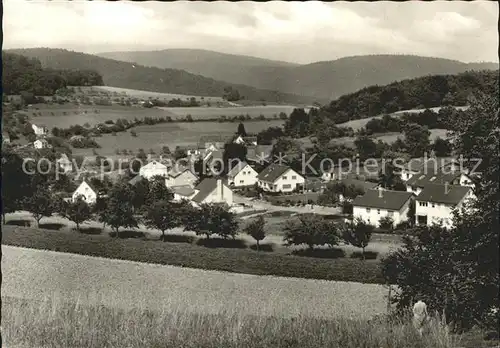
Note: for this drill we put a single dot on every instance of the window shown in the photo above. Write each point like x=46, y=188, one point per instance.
x=287, y=186
x=433, y=205
x=242, y=181
x=284, y=177
x=378, y=211
x=423, y=204
x=368, y=210
x=294, y=177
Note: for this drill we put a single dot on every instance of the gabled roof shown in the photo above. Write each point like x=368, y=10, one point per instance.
x=214, y=155
x=383, y=199
x=154, y=163
x=447, y=194
x=183, y=190
x=92, y=187
x=205, y=188
x=238, y=168
x=272, y=172
x=421, y=180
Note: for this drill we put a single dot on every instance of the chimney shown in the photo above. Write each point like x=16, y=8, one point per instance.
x=380, y=193
x=220, y=188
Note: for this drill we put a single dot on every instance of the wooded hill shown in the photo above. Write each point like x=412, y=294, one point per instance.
x=134, y=76
x=322, y=80
x=22, y=74
x=418, y=93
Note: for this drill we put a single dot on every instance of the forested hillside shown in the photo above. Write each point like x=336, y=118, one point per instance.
x=419, y=93
x=134, y=76
x=22, y=74
x=326, y=79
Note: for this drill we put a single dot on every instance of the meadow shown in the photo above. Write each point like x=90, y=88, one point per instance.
x=171, y=135
x=77, y=301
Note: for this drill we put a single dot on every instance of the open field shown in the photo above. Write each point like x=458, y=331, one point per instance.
x=135, y=93
x=78, y=301
x=171, y=135
x=268, y=111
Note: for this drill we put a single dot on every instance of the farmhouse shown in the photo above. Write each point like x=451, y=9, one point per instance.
x=64, y=163
x=279, y=178
x=417, y=182
x=376, y=204
x=242, y=175
x=213, y=142
x=86, y=192
x=212, y=190
x=153, y=168
x=436, y=203
x=181, y=177
x=246, y=140
x=40, y=130
x=41, y=144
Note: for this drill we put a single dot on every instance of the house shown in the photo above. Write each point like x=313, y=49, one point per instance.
x=85, y=191
x=242, y=175
x=428, y=165
x=5, y=138
x=41, y=144
x=40, y=130
x=191, y=150
x=64, y=163
x=181, y=176
x=213, y=142
x=214, y=159
x=246, y=140
x=279, y=178
x=153, y=168
x=418, y=181
x=376, y=204
x=436, y=203
x=212, y=190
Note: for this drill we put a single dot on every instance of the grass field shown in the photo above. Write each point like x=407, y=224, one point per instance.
x=77, y=301
x=268, y=111
x=171, y=135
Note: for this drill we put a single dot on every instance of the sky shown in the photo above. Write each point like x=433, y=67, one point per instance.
x=298, y=32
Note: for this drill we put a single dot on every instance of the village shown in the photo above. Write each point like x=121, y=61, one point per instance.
x=434, y=187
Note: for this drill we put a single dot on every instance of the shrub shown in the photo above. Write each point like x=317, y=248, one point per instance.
x=386, y=223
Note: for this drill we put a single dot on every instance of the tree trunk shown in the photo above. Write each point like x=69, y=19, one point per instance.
x=38, y=222
x=3, y=218
x=363, y=252
x=258, y=246
x=163, y=235
x=116, y=229
x=78, y=227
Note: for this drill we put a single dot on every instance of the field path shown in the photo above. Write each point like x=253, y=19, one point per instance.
x=37, y=274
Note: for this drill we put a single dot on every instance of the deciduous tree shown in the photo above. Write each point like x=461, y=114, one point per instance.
x=256, y=229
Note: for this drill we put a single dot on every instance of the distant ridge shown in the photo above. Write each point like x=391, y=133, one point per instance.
x=322, y=80
x=137, y=76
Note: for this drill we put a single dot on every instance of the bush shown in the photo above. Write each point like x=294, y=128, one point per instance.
x=386, y=223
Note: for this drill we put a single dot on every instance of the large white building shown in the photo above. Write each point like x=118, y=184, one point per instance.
x=436, y=202
x=242, y=175
x=279, y=178
x=40, y=130
x=377, y=203
x=41, y=144
x=153, y=168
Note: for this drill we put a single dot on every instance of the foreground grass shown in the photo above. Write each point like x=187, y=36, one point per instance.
x=195, y=256
x=55, y=323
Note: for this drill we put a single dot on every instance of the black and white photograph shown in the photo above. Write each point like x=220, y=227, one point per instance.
x=246, y=174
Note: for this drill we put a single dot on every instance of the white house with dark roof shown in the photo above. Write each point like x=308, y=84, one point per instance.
x=417, y=182
x=64, y=164
x=279, y=178
x=241, y=175
x=153, y=168
x=377, y=203
x=41, y=144
x=436, y=203
x=428, y=165
x=212, y=190
x=86, y=192
x=213, y=142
